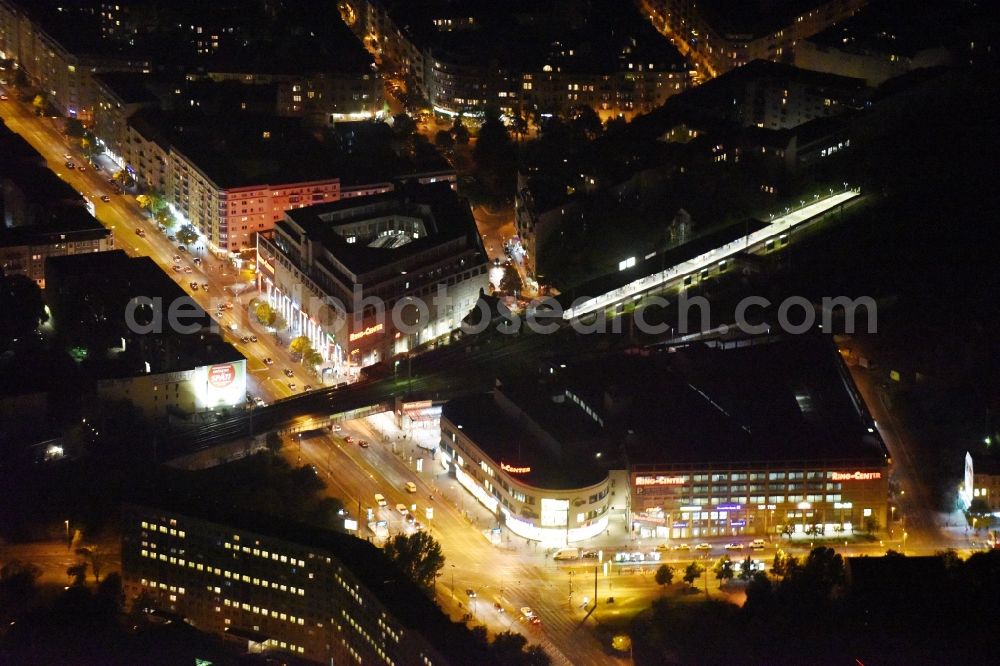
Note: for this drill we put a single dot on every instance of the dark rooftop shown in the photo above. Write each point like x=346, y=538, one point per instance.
x=564, y=459
x=249, y=150
x=444, y=215
x=401, y=596
x=128, y=87
x=776, y=400
x=753, y=18
x=86, y=290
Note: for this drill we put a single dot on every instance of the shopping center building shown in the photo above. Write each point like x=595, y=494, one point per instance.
x=765, y=436
x=375, y=276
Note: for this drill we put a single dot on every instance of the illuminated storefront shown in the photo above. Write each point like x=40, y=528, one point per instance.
x=552, y=516
x=796, y=499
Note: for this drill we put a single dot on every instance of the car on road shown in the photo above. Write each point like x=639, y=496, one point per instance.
x=682, y=546
x=757, y=544
x=349, y=439
x=188, y=269
x=470, y=593
x=291, y=386
x=363, y=443
x=3, y=98
x=529, y=616
x=81, y=168
x=177, y=269
x=253, y=338
x=171, y=238
x=498, y=607
x=703, y=546
x=380, y=499
x=193, y=285
x=197, y=261
x=410, y=487
x=402, y=509
x=410, y=519
x=177, y=258
x=68, y=156
x=268, y=361
x=307, y=387
x=590, y=555
x=259, y=401
x=140, y=233
x=105, y=198
x=288, y=372
x=70, y=165
x=182, y=248
x=734, y=546
x=204, y=285
x=244, y=339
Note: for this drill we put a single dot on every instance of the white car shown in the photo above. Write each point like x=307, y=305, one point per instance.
x=757, y=544
x=734, y=546
x=402, y=509
x=380, y=499
x=703, y=546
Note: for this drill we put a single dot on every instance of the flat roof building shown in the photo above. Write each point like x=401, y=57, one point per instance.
x=145, y=340
x=369, y=278
x=763, y=437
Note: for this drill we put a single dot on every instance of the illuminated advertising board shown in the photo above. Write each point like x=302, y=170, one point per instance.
x=221, y=385
x=364, y=333
x=512, y=469
x=660, y=480
x=855, y=476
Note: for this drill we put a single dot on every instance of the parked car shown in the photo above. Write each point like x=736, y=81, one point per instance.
x=734, y=546
x=757, y=544
x=288, y=372
x=703, y=546
x=682, y=546
x=363, y=443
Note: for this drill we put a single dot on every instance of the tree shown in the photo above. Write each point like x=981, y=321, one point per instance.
x=265, y=314
x=444, y=140
x=165, y=219
x=664, y=575
x=746, y=569
x=586, y=121
x=312, y=358
x=187, y=234
x=78, y=572
x=460, y=131
x=871, y=525
x=403, y=125
x=96, y=557
x=511, y=281
x=519, y=126
x=18, y=584
x=723, y=569
x=692, y=572
x=22, y=309
x=39, y=104
x=87, y=144
x=300, y=345
x=495, y=155
x=273, y=442
x=417, y=555
x=74, y=128
x=615, y=125
x=512, y=649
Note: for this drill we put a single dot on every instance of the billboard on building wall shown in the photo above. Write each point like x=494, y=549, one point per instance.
x=221, y=385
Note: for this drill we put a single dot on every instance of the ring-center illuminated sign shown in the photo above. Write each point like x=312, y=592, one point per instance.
x=510, y=469
x=659, y=480
x=368, y=331
x=856, y=476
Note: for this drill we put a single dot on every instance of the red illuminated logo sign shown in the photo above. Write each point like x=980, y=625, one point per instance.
x=221, y=376
x=856, y=476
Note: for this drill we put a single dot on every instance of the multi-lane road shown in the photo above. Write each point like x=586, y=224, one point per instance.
x=135, y=233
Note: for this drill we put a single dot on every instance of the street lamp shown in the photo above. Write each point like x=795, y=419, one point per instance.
x=67, y=532
x=905, y=534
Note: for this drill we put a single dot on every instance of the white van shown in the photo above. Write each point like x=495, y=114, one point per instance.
x=567, y=554
x=380, y=499
x=411, y=487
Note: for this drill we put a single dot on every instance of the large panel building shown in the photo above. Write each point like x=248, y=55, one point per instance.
x=281, y=587
x=372, y=277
